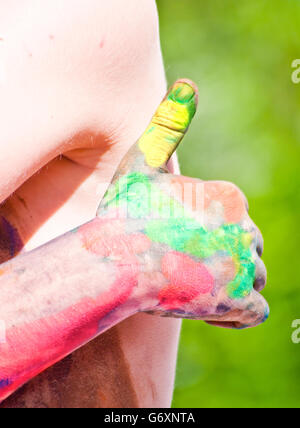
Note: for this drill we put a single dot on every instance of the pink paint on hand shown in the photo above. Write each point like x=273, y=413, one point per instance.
x=105, y=240
x=188, y=279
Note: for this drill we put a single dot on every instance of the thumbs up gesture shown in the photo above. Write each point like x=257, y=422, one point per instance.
x=163, y=244
x=193, y=248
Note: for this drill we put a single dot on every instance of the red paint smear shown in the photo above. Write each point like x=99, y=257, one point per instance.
x=32, y=348
x=188, y=279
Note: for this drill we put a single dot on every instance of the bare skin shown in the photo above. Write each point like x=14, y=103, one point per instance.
x=76, y=287
x=82, y=76
x=93, y=147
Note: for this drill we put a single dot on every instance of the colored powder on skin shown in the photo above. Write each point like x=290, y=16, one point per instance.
x=168, y=125
x=55, y=337
x=141, y=197
x=188, y=279
x=4, y=383
x=184, y=234
x=127, y=191
x=114, y=242
x=10, y=241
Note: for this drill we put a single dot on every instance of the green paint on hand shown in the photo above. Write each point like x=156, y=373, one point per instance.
x=184, y=94
x=167, y=223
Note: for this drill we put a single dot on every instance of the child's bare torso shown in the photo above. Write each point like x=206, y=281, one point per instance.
x=79, y=78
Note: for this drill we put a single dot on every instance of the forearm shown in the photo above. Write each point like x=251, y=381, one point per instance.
x=54, y=300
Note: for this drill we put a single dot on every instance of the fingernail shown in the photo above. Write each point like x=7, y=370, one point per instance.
x=259, y=284
x=266, y=314
x=182, y=93
x=259, y=250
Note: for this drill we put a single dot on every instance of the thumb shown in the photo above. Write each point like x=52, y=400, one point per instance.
x=169, y=124
x=165, y=131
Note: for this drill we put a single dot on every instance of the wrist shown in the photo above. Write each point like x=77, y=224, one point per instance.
x=121, y=254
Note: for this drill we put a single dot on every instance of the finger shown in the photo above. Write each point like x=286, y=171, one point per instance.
x=258, y=240
x=169, y=124
x=260, y=275
x=254, y=310
x=259, y=243
x=165, y=131
x=244, y=313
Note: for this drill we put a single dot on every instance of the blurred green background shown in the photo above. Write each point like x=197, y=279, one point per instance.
x=248, y=131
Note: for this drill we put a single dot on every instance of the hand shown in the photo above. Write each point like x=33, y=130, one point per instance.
x=195, y=251
x=161, y=243
x=78, y=120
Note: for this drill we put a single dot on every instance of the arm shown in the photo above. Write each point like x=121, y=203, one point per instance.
x=74, y=78
x=57, y=298
x=77, y=286
x=138, y=255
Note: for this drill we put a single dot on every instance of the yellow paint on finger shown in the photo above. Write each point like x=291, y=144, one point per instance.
x=168, y=125
x=247, y=239
x=159, y=144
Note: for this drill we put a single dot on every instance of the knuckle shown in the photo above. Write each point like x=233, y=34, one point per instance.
x=236, y=192
x=259, y=242
x=257, y=237
x=231, y=198
x=260, y=276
